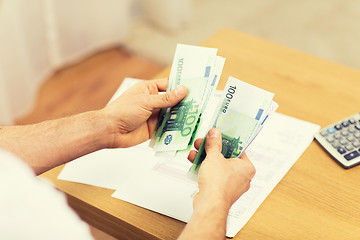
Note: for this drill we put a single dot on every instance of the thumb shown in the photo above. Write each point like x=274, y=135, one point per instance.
x=168, y=99
x=213, y=141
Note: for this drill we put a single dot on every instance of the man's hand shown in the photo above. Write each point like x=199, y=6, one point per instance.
x=221, y=182
x=228, y=178
x=127, y=121
x=133, y=116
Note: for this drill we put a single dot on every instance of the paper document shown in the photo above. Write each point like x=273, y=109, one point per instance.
x=167, y=190
x=160, y=184
x=108, y=168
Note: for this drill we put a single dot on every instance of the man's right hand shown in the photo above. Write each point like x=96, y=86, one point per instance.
x=221, y=182
x=224, y=179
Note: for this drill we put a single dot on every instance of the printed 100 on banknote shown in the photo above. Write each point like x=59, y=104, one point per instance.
x=240, y=116
x=199, y=69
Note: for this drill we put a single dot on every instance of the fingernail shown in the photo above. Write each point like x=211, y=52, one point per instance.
x=214, y=132
x=179, y=91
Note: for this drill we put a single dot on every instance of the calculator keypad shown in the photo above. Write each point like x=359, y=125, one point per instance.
x=342, y=140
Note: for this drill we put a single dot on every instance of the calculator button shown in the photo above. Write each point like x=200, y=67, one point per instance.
x=338, y=127
x=337, y=145
x=357, y=135
x=337, y=135
x=352, y=129
x=352, y=121
x=351, y=155
x=357, y=126
x=343, y=141
x=341, y=150
x=345, y=133
x=345, y=124
x=324, y=133
x=356, y=144
x=330, y=139
x=349, y=147
x=331, y=130
x=351, y=138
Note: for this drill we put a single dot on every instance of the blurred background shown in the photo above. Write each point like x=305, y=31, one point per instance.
x=329, y=29
x=38, y=38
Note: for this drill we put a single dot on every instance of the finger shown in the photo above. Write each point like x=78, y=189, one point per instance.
x=152, y=121
x=168, y=99
x=197, y=143
x=162, y=84
x=213, y=141
x=251, y=167
x=244, y=157
x=192, y=155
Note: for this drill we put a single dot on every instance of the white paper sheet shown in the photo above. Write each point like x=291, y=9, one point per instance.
x=165, y=188
x=161, y=185
x=109, y=168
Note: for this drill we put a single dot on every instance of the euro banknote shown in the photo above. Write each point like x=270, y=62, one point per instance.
x=193, y=67
x=210, y=89
x=240, y=116
x=191, y=62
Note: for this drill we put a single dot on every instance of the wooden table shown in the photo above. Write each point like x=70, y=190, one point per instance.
x=317, y=199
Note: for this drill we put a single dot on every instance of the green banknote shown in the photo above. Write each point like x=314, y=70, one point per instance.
x=210, y=89
x=214, y=80
x=178, y=123
x=240, y=115
x=192, y=67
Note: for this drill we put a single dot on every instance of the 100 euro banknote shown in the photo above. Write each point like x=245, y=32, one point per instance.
x=179, y=122
x=210, y=89
x=192, y=67
x=242, y=111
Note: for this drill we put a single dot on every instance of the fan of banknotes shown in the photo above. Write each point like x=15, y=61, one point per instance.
x=240, y=114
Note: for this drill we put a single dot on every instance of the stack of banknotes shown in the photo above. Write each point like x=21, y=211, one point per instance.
x=240, y=114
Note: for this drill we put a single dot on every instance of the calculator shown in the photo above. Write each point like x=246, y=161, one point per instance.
x=342, y=140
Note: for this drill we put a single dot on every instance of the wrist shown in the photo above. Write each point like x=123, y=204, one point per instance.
x=216, y=194
x=211, y=202
x=102, y=129
x=208, y=220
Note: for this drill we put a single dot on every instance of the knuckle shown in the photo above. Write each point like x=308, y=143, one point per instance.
x=250, y=166
x=252, y=170
x=250, y=173
x=208, y=145
x=211, y=149
x=247, y=187
x=211, y=144
x=166, y=97
x=151, y=87
x=144, y=100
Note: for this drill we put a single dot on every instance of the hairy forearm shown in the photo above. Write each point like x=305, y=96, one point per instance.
x=208, y=221
x=51, y=143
